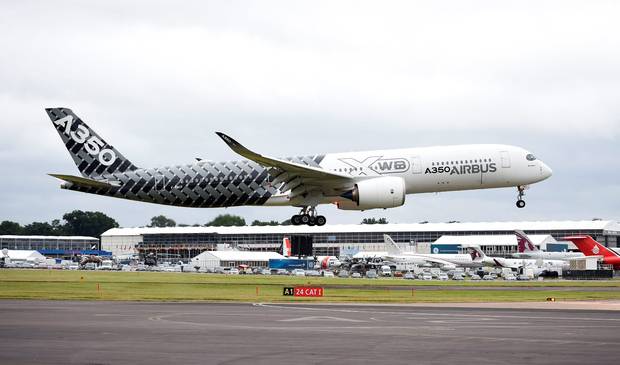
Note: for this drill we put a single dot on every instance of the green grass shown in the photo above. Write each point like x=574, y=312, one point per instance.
x=145, y=286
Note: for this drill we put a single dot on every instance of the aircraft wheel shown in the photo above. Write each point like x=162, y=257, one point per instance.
x=305, y=218
x=296, y=220
x=320, y=220
x=311, y=222
x=520, y=203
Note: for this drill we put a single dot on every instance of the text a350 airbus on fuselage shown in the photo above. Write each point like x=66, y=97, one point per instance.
x=351, y=180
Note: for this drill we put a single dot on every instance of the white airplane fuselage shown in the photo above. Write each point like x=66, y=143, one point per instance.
x=435, y=169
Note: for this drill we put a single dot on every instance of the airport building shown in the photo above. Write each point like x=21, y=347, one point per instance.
x=53, y=246
x=213, y=259
x=187, y=242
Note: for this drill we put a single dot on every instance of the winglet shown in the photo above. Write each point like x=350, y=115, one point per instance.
x=237, y=147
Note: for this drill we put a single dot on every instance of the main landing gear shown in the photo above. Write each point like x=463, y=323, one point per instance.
x=520, y=194
x=308, y=217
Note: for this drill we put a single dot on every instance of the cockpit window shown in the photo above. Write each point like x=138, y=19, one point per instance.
x=530, y=157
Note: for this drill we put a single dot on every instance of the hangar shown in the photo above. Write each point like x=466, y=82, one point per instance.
x=186, y=242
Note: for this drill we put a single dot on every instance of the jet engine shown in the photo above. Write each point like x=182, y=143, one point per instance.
x=380, y=192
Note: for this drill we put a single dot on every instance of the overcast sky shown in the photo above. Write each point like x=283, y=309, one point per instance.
x=157, y=78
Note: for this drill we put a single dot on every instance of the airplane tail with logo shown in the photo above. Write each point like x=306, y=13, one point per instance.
x=590, y=247
x=286, y=247
x=477, y=255
x=524, y=244
x=93, y=156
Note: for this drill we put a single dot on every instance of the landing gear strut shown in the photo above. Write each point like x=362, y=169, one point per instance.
x=520, y=194
x=308, y=216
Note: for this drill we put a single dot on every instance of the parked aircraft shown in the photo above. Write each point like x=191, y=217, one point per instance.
x=527, y=250
x=447, y=261
x=351, y=180
x=516, y=264
x=591, y=247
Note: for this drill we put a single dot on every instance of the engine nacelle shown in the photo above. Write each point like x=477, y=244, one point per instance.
x=380, y=192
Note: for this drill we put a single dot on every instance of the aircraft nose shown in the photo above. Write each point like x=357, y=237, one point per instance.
x=545, y=170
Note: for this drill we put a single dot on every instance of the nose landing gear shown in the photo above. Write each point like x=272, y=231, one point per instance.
x=520, y=195
x=308, y=216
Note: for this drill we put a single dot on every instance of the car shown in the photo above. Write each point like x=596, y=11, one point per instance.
x=488, y=277
x=523, y=277
x=371, y=274
x=232, y=271
x=328, y=274
x=442, y=276
x=457, y=276
x=475, y=277
x=299, y=272
x=265, y=272
x=510, y=277
x=425, y=276
x=282, y=272
x=343, y=274
x=313, y=273
x=356, y=275
x=409, y=276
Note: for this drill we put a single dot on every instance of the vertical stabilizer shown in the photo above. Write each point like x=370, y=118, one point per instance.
x=92, y=155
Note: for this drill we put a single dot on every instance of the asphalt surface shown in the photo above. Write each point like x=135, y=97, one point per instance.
x=59, y=332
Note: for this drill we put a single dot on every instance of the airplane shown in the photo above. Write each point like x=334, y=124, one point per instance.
x=527, y=250
x=591, y=247
x=539, y=264
x=447, y=261
x=351, y=180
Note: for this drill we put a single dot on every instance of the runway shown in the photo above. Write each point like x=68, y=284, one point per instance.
x=58, y=332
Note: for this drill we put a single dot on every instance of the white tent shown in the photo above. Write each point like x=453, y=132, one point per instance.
x=22, y=255
x=212, y=259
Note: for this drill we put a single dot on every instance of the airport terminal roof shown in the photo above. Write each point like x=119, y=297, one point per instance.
x=12, y=236
x=354, y=228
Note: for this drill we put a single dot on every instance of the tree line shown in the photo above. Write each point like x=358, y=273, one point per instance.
x=75, y=223
x=93, y=224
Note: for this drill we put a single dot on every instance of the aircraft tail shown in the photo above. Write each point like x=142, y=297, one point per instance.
x=392, y=247
x=93, y=156
x=524, y=244
x=590, y=247
x=286, y=247
x=477, y=255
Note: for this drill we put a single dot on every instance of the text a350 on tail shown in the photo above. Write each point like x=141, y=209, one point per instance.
x=351, y=180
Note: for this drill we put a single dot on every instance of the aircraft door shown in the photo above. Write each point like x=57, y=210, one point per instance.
x=505, y=157
x=416, y=165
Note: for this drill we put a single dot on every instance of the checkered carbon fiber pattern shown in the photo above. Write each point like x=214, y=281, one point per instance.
x=201, y=185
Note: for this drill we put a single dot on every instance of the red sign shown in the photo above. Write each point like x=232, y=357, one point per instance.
x=308, y=291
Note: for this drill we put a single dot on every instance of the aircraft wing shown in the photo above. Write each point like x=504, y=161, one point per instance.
x=436, y=261
x=298, y=178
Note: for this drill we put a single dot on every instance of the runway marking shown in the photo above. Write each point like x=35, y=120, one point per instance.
x=438, y=314
x=320, y=318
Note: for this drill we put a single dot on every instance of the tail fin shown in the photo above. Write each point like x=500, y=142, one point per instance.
x=393, y=248
x=590, y=247
x=286, y=247
x=93, y=156
x=524, y=244
x=477, y=255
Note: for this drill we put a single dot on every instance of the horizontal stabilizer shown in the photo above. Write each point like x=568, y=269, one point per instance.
x=82, y=181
